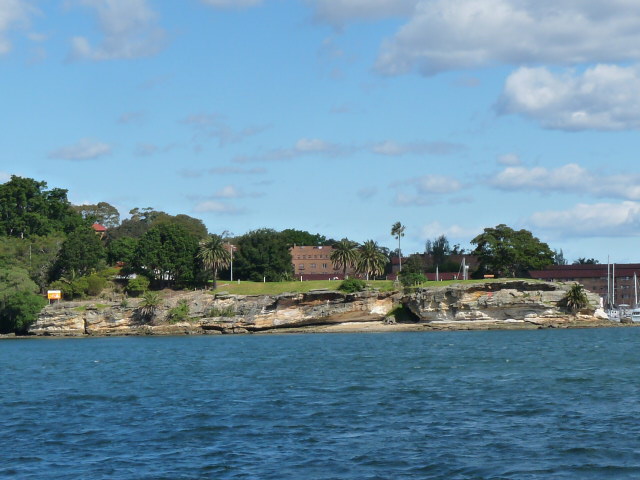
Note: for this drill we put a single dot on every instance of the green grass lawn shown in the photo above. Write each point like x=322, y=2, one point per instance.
x=276, y=288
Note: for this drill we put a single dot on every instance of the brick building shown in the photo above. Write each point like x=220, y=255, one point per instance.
x=594, y=279
x=314, y=263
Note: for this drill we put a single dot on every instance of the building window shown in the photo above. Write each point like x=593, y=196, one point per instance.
x=324, y=265
x=301, y=267
x=313, y=265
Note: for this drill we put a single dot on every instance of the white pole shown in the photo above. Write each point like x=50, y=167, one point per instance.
x=635, y=288
x=608, y=283
x=613, y=282
x=231, y=263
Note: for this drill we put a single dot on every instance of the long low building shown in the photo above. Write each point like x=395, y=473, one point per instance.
x=620, y=286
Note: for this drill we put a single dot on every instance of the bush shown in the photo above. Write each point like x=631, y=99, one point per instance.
x=351, y=285
x=576, y=298
x=221, y=312
x=179, y=313
x=20, y=311
x=412, y=279
x=137, y=286
x=95, y=284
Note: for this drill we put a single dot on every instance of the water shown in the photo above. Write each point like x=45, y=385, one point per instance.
x=551, y=404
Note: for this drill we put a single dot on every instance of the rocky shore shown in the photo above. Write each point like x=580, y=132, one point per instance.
x=515, y=304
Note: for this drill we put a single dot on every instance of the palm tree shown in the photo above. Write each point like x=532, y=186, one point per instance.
x=371, y=261
x=214, y=254
x=344, y=255
x=576, y=298
x=397, y=230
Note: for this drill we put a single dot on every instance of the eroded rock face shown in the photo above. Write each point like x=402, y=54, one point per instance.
x=505, y=302
x=215, y=314
x=498, y=301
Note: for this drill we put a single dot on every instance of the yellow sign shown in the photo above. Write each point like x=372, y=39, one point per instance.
x=54, y=294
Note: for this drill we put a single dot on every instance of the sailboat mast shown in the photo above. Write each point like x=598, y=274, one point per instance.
x=608, y=283
x=635, y=288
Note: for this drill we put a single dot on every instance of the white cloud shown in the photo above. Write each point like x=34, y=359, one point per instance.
x=338, y=12
x=301, y=148
x=452, y=232
x=85, y=149
x=228, y=191
x=232, y=3
x=598, y=220
x=129, y=29
x=446, y=35
x=212, y=206
x=394, y=149
x=604, y=97
x=426, y=189
x=214, y=126
x=509, y=159
x=13, y=13
x=4, y=177
x=568, y=178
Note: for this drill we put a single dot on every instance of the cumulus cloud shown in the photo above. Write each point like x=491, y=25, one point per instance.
x=226, y=170
x=338, y=12
x=129, y=29
x=598, y=220
x=568, y=178
x=13, y=13
x=425, y=190
x=394, y=149
x=604, y=97
x=232, y=3
x=85, y=149
x=452, y=232
x=444, y=35
x=211, y=206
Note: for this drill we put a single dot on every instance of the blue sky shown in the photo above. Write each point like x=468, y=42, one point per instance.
x=335, y=116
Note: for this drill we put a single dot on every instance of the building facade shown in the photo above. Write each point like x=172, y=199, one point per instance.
x=614, y=283
x=314, y=263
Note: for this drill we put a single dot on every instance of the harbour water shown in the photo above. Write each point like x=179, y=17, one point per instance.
x=547, y=404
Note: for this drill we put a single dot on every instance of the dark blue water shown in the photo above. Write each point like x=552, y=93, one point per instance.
x=552, y=404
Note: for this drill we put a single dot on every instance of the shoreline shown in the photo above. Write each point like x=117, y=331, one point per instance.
x=351, y=327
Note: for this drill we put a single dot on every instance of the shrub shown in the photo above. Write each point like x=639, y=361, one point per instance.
x=221, y=312
x=149, y=305
x=20, y=310
x=137, y=286
x=95, y=284
x=351, y=285
x=412, y=279
x=179, y=313
x=576, y=298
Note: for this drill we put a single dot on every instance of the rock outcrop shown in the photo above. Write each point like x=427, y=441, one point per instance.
x=500, y=301
x=468, y=305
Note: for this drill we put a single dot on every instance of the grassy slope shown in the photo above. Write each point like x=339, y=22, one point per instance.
x=276, y=288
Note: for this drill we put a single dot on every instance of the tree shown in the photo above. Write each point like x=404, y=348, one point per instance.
x=345, y=255
x=558, y=257
x=102, y=213
x=167, y=254
x=214, y=255
x=262, y=254
x=586, y=261
x=371, y=261
x=509, y=253
x=414, y=264
x=19, y=311
x=27, y=208
x=576, y=298
x=122, y=250
x=397, y=230
x=300, y=237
x=81, y=253
x=439, y=249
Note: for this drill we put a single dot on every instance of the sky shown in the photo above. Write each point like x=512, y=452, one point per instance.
x=339, y=117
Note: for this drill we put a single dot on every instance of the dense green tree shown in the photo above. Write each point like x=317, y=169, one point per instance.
x=576, y=298
x=262, y=254
x=102, y=213
x=35, y=254
x=414, y=264
x=509, y=253
x=293, y=237
x=122, y=250
x=167, y=254
x=14, y=279
x=345, y=255
x=27, y=208
x=81, y=254
x=397, y=230
x=214, y=255
x=586, y=261
x=371, y=260
x=144, y=219
x=19, y=311
x=192, y=225
x=439, y=249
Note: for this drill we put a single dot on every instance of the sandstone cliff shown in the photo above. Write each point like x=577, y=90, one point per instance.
x=469, y=305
